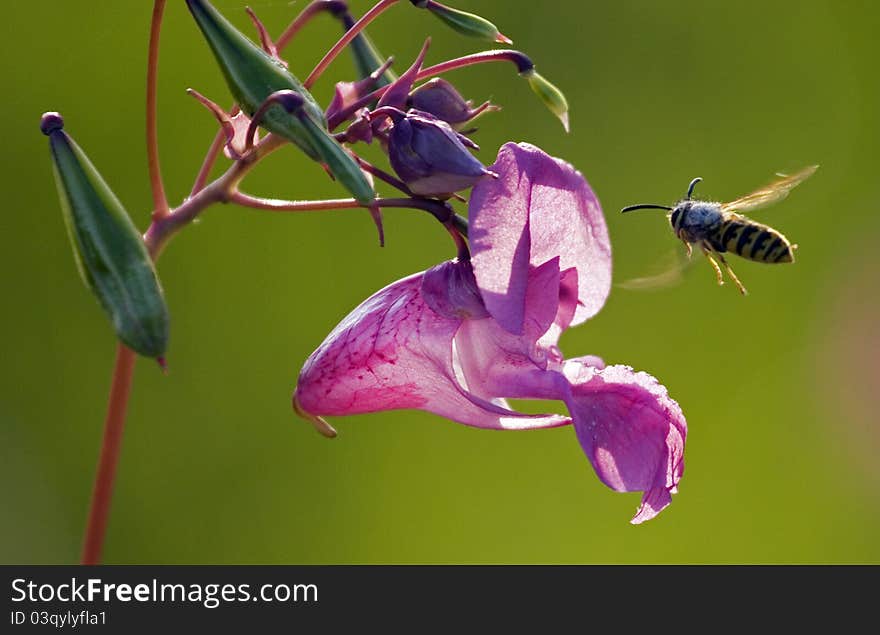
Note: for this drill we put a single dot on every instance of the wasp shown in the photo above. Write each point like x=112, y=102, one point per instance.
x=717, y=228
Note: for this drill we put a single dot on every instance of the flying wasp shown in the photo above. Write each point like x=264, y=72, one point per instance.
x=718, y=227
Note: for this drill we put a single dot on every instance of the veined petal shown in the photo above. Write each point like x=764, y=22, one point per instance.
x=394, y=352
x=539, y=207
x=630, y=429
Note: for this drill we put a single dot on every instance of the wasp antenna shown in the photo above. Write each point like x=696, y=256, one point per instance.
x=634, y=207
x=692, y=186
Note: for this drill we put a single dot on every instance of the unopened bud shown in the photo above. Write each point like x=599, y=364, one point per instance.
x=429, y=156
x=549, y=94
x=468, y=24
x=440, y=98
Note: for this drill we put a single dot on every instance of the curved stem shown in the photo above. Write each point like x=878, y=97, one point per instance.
x=109, y=458
x=208, y=162
x=440, y=210
x=278, y=205
x=160, y=201
x=218, y=191
x=382, y=175
x=349, y=35
x=521, y=60
x=312, y=9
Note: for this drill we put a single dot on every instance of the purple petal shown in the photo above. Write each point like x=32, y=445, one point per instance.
x=450, y=290
x=539, y=208
x=429, y=156
x=630, y=430
x=394, y=352
x=397, y=93
x=493, y=360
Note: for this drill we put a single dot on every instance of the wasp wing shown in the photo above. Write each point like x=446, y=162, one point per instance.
x=670, y=271
x=775, y=191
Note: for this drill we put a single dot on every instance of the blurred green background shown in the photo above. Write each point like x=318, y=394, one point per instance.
x=778, y=388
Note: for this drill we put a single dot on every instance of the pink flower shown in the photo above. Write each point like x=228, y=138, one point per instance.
x=462, y=337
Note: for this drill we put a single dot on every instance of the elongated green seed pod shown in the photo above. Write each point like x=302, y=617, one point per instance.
x=468, y=24
x=253, y=75
x=551, y=96
x=109, y=251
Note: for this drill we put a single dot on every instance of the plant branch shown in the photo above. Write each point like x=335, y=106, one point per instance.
x=218, y=191
x=440, y=210
x=208, y=162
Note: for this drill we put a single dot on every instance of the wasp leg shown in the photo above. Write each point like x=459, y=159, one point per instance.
x=732, y=275
x=690, y=250
x=708, y=253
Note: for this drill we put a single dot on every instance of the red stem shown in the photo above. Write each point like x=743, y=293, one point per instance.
x=122, y=374
x=160, y=201
x=208, y=163
x=349, y=35
x=277, y=205
x=106, y=474
x=312, y=9
x=522, y=62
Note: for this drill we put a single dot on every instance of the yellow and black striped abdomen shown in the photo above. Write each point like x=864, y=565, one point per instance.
x=752, y=240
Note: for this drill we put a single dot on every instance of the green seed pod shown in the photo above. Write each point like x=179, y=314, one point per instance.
x=253, y=75
x=468, y=24
x=340, y=163
x=549, y=94
x=109, y=251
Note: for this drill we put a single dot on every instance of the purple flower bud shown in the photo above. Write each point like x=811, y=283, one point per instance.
x=450, y=289
x=398, y=91
x=440, y=98
x=361, y=129
x=348, y=93
x=429, y=156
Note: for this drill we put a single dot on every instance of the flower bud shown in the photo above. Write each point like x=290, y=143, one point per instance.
x=347, y=93
x=110, y=253
x=429, y=156
x=398, y=92
x=451, y=291
x=440, y=98
x=468, y=24
x=549, y=94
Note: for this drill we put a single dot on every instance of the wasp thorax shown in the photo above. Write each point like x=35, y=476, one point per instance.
x=695, y=220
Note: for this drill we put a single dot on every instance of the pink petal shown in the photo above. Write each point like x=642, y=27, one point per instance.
x=394, y=352
x=630, y=430
x=495, y=362
x=397, y=93
x=538, y=208
x=236, y=136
